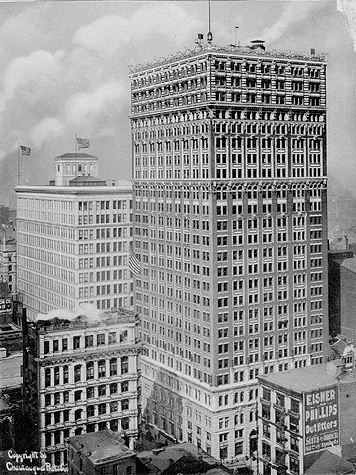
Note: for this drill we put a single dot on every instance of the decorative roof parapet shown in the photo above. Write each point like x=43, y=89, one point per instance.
x=242, y=50
x=214, y=185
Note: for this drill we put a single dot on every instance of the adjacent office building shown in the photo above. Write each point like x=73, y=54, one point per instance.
x=230, y=223
x=8, y=264
x=73, y=239
x=342, y=292
x=303, y=412
x=80, y=376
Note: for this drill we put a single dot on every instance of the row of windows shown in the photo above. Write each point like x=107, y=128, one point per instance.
x=63, y=397
x=158, y=193
x=198, y=88
x=294, y=99
x=60, y=417
x=77, y=342
x=101, y=369
x=233, y=65
x=106, y=219
x=104, y=205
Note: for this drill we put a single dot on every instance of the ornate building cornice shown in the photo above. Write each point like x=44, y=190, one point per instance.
x=93, y=356
x=240, y=50
x=215, y=185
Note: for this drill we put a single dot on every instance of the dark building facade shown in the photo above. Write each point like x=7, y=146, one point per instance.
x=342, y=294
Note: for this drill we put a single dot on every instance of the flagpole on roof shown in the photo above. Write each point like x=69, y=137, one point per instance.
x=75, y=148
x=18, y=163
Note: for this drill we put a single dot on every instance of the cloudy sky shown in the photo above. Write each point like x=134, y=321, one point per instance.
x=64, y=71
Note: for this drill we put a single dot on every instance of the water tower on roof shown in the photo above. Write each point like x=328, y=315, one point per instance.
x=73, y=165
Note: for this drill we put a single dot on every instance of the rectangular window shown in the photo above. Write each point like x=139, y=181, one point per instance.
x=89, y=341
x=124, y=364
x=76, y=342
x=101, y=339
x=77, y=373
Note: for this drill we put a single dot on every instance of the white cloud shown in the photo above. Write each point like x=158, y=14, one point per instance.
x=167, y=19
x=46, y=130
x=109, y=131
x=104, y=35
x=39, y=68
x=292, y=13
x=83, y=107
x=20, y=31
x=107, y=34
x=348, y=8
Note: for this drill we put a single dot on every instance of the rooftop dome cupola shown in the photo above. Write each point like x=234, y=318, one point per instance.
x=73, y=165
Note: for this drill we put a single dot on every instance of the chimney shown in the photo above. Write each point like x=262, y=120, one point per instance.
x=199, y=40
x=312, y=52
x=335, y=367
x=346, y=243
x=257, y=44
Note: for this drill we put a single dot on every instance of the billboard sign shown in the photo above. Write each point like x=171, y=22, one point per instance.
x=321, y=419
x=5, y=304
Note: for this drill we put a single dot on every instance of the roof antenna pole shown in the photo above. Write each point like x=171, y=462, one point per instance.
x=210, y=35
x=237, y=43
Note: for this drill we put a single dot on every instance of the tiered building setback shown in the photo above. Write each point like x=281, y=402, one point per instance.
x=230, y=223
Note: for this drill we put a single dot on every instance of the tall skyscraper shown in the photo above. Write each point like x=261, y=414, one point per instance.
x=74, y=239
x=229, y=164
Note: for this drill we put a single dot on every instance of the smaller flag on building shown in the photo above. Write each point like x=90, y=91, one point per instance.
x=134, y=263
x=83, y=143
x=25, y=150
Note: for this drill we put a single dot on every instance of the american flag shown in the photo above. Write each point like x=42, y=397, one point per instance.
x=134, y=263
x=83, y=143
x=25, y=150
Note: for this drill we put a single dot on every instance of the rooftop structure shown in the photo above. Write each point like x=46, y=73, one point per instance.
x=70, y=166
x=105, y=452
x=182, y=458
x=303, y=379
x=244, y=51
x=99, y=452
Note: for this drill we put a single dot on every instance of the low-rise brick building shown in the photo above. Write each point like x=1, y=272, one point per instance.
x=100, y=453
